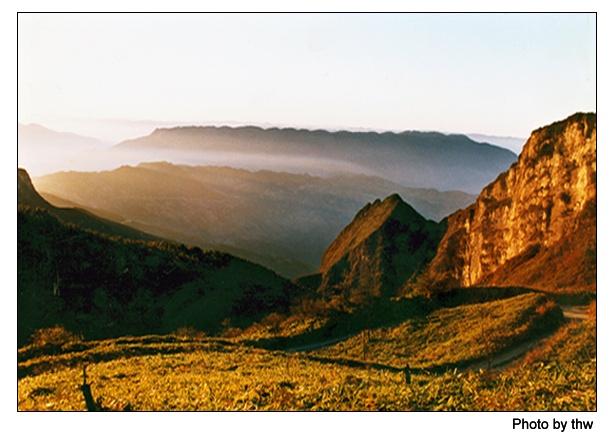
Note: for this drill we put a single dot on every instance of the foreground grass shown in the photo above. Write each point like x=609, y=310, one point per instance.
x=168, y=373
x=455, y=336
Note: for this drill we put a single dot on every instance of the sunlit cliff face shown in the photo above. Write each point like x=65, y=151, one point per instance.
x=542, y=202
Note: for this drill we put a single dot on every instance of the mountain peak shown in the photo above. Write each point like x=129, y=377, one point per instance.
x=387, y=243
x=367, y=221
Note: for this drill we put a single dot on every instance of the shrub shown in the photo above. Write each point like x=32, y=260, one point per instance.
x=190, y=333
x=53, y=336
x=273, y=320
x=545, y=308
x=228, y=330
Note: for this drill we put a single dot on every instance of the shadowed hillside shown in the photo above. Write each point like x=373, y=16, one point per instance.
x=101, y=286
x=282, y=221
x=387, y=243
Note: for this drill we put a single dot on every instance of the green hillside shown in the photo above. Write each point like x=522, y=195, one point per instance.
x=103, y=286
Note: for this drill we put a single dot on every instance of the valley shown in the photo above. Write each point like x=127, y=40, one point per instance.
x=182, y=287
x=280, y=220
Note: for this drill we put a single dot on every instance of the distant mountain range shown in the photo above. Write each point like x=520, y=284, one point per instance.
x=412, y=159
x=102, y=280
x=41, y=150
x=282, y=221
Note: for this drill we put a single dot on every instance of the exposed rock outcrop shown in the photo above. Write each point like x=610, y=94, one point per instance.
x=535, y=225
x=386, y=243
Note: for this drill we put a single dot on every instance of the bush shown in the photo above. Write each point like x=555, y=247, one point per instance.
x=545, y=308
x=273, y=320
x=53, y=336
x=190, y=333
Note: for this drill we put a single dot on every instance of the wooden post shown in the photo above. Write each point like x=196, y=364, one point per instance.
x=87, y=393
x=407, y=374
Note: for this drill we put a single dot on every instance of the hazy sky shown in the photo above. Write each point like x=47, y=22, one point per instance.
x=498, y=74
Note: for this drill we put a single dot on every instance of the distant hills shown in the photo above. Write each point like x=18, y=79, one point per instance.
x=280, y=220
x=28, y=196
x=412, y=159
x=102, y=282
x=42, y=150
x=536, y=224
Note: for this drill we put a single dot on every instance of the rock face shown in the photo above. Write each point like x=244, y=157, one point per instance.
x=386, y=243
x=535, y=225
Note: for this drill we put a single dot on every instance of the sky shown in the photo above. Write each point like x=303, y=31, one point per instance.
x=491, y=74
x=494, y=74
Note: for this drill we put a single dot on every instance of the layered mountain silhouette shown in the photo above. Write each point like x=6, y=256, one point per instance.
x=386, y=244
x=28, y=196
x=535, y=225
x=42, y=150
x=102, y=286
x=280, y=220
x=411, y=159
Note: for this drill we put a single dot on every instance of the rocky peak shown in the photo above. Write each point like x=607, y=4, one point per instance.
x=386, y=243
x=534, y=225
x=367, y=221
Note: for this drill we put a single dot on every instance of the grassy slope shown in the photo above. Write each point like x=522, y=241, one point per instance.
x=105, y=287
x=453, y=336
x=168, y=373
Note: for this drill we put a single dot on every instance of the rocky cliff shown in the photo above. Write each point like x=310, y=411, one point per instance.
x=535, y=225
x=386, y=243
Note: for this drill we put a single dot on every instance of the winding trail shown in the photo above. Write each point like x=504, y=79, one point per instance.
x=575, y=313
x=499, y=362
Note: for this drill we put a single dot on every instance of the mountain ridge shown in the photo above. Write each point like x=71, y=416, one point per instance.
x=385, y=244
x=27, y=195
x=290, y=218
x=412, y=159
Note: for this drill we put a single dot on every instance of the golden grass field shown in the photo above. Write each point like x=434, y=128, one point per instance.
x=174, y=373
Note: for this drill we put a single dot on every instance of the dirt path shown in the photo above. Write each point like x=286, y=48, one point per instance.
x=575, y=313
x=571, y=313
x=321, y=344
x=500, y=361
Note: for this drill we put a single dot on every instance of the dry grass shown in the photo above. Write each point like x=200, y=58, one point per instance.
x=170, y=373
